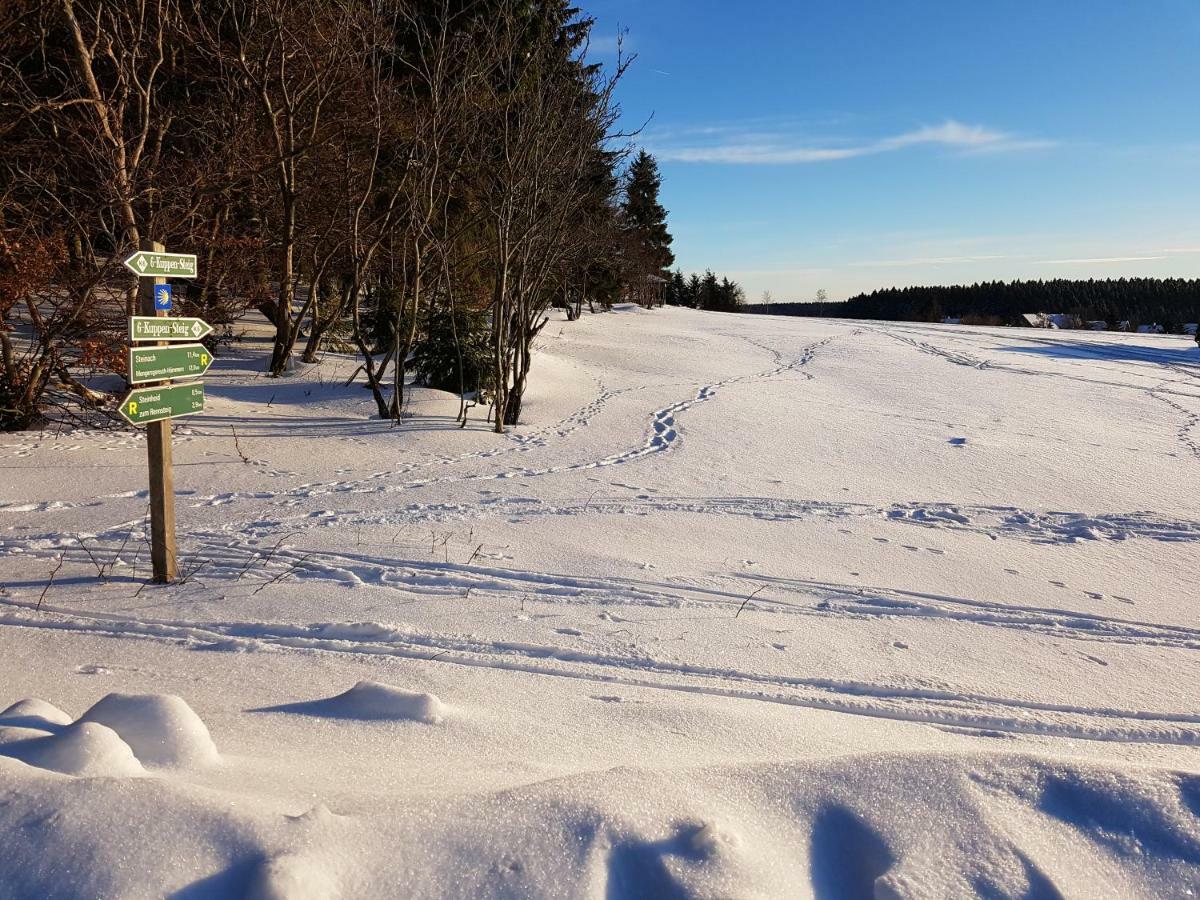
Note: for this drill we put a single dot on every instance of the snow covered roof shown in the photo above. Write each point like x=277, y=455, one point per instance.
x=1049, y=320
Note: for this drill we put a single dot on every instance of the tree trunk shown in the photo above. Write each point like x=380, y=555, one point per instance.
x=403, y=349
x=500, y=348
x=368, y=360
x=283, y=305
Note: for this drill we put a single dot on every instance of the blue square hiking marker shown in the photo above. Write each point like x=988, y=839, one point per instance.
x=162, y=296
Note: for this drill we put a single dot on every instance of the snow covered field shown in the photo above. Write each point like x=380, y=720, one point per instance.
x=750, y=607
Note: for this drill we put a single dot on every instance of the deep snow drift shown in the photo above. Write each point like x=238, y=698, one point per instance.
x=750, y=607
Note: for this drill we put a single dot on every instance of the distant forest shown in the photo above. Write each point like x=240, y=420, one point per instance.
x=1168, y=302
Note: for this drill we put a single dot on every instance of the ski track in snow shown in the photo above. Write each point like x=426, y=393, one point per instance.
x=1190, y=376
x=432, y=579
x=227, y=562
x=959, y=359
x=1163, y=391
x=913, y=703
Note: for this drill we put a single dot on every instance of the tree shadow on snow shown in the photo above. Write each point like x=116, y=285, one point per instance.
x=233, y=881
x=637, y=870
x=1189, y=794
x=1111, y=352
x=847, y=856
x=75, y=580
x=1121, y=820
x=1038, y=885
x=284, y=426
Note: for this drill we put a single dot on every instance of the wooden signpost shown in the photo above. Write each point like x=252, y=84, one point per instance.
x=162, y=363
x=152, y=262
x=155, y=406
x=159, y=328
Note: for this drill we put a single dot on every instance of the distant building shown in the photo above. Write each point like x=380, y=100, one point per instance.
x=949, y=320
x=1098, y=325
x=1050, y=320
x=649, y=290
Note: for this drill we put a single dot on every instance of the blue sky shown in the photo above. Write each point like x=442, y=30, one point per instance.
x=855, y=144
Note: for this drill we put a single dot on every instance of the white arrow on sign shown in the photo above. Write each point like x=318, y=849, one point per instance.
x=149, y=263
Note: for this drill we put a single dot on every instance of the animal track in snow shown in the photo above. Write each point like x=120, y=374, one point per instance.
x=995, y=521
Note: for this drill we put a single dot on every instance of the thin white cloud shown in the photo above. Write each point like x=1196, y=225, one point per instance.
x=607, y=44
x=924, y=261
x=970, y=138
x=760, y=149
x=1097, y=259
x=954, y=134
x=782, y=272
x=755, y=154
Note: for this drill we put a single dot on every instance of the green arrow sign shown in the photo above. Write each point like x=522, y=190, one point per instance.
x=164, y=363
x=153, y=328
x=148, y=264
x=146, y=405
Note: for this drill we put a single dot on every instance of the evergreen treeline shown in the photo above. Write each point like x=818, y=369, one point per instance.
x=1168, y=302
x=704, y=292
x=417, y=181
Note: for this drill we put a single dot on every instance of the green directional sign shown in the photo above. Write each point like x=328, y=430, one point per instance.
x=148, y=264
x=145, y=405
x=165, y=363
x=156, y=328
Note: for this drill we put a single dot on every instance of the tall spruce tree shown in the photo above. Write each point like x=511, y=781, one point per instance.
x=646, y=219
x=676, y=293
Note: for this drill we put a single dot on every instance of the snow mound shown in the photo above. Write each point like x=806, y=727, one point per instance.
x=161, y=728
x=34, y=713
x=292, y=877
x=370, y=700
x=884, y=826
x=85, y=748
x=709, y=840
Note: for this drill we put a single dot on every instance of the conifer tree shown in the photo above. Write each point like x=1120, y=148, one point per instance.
x=676, y=289
x=646, y=219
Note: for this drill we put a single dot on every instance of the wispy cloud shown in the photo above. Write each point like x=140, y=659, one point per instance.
x=924, y=261
x=1097, y=259
x=780, y=149
x=753, y=154
x=608, y=44
x=970, y=138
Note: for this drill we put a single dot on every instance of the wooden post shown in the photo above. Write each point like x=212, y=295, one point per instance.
x=158, y=453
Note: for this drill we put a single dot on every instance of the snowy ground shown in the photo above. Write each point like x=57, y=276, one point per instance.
x=750, y=607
